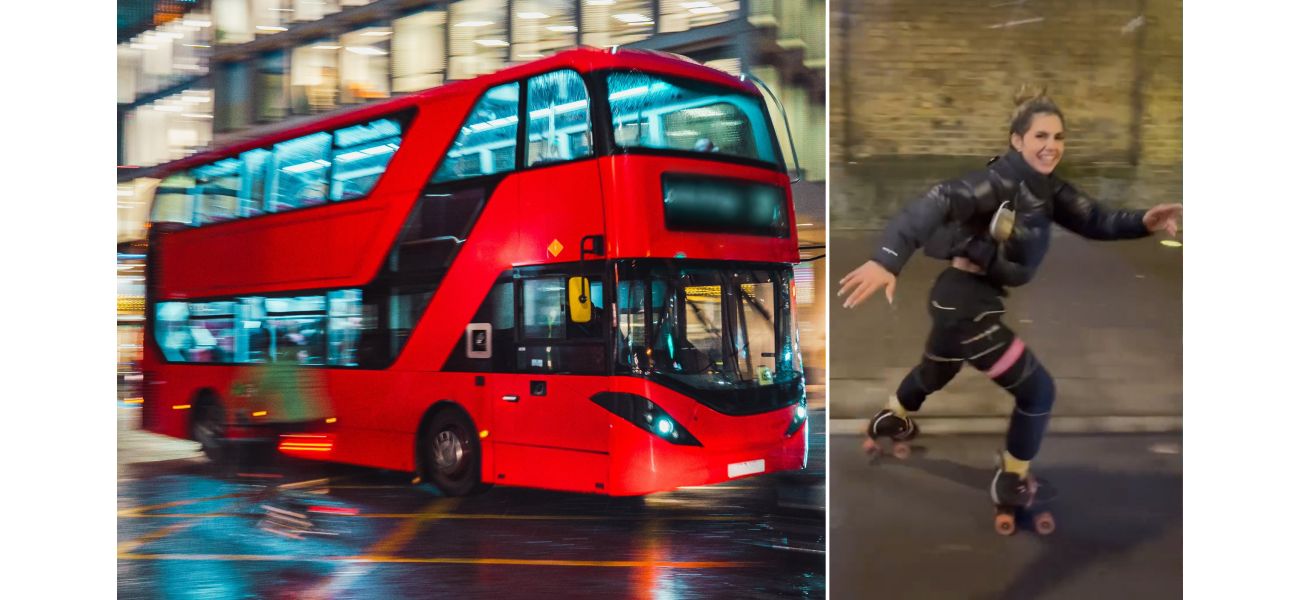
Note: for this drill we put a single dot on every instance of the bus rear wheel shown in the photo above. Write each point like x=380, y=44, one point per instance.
x=208, y=429
x=451, y=457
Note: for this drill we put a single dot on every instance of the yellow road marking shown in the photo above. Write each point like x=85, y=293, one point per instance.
x=137, y=511
x=446, y=561
x=153, y=536
x=304, y=484
x=407, y=530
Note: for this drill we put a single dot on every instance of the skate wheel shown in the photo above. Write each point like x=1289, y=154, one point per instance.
x=902, y=450
x=1004, y=523
x=871, y=447
x=1044, y=524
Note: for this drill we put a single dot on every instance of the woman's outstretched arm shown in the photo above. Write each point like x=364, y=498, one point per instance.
x=906, y=232
x=1079, y=213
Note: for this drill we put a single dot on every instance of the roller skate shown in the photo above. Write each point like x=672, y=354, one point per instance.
x=1017, y=499
x=899, y=430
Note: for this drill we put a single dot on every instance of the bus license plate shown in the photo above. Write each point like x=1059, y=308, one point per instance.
x=745, y=468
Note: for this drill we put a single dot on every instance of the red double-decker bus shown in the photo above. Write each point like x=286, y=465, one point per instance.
x=574, y=274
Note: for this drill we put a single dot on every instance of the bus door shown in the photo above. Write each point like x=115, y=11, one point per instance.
x=547, y=431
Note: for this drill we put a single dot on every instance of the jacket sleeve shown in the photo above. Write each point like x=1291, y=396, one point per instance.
x=908, y=230
x=1075, y=211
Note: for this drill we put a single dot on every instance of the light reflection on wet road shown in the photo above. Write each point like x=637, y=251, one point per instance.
x=189, y=530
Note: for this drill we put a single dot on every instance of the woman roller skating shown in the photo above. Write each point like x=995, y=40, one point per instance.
x=993, y=226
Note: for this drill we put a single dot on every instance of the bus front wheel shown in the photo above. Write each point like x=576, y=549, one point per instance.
x=451, y=454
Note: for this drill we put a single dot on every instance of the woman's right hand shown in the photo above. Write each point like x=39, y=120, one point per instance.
x=863, y=281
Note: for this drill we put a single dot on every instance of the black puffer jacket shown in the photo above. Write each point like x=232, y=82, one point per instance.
x=952, y=220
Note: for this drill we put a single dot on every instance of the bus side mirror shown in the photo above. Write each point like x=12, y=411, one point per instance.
x=579, y=299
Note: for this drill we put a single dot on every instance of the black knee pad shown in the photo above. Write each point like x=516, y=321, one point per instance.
x=1036, y=393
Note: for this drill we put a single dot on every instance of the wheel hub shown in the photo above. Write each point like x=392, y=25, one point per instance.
x=449, y=451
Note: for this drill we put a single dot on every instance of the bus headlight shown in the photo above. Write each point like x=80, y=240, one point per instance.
x=800, y=417
x=647, y=416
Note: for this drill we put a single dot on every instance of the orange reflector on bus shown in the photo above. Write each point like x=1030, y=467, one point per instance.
x=180, y=406
x=135, y=400
x=306, y=442
x=260, y=413
x=332, y=420
x=482, y=434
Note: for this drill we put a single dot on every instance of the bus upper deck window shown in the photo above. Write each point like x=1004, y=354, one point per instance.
x=361, y=154
x=487, y=138
x=252, y=200
x=217, y=189
x=685, y=115
x=301, y=168
x=559, y=123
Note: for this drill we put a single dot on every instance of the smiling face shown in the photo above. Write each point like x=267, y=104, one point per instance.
x=1043, y=143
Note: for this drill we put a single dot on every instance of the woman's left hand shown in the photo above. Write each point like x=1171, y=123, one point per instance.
x=1163, y=216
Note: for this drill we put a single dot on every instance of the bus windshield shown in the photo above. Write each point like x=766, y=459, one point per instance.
x=711, y=327
x=670, y=113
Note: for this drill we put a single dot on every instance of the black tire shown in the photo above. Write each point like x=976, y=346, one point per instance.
x=208, y=427
x=450, y=453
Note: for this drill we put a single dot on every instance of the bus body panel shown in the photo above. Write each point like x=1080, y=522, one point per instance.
x=562, y=203
x=520, y=226
x=562, y=416
x=636, y=219
x=552, y=469
x=487, y=251
x=380, y=412
x=643, y=463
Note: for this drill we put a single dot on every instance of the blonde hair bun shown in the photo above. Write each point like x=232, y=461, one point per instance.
x=1028, y=92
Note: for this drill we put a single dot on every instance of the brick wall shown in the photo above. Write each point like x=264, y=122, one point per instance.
x=935, y=77
x=920, y=92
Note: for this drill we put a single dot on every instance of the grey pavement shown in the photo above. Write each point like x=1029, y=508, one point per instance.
x=923, y=528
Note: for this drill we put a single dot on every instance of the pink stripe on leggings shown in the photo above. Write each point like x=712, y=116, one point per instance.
x=1008, y=358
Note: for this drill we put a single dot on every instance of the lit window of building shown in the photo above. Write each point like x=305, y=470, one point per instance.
x=608, y=23
x=419, y=51
x=478, y=38
x=681, y=15
x=363, y=64
x=542, y=27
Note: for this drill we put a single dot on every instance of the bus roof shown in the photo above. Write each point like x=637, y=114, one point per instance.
x=582, y=59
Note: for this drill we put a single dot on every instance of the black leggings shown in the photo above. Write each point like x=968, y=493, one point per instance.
x=965, y=311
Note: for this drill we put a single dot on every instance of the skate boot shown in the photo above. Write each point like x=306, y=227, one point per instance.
x=1020, y=498
x=888, y=424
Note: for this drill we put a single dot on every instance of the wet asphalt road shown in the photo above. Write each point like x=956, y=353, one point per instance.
x=187, y=529
x=923, y=528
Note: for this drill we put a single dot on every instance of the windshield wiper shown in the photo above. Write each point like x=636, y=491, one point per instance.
x=762, y=311
x=699, y=314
